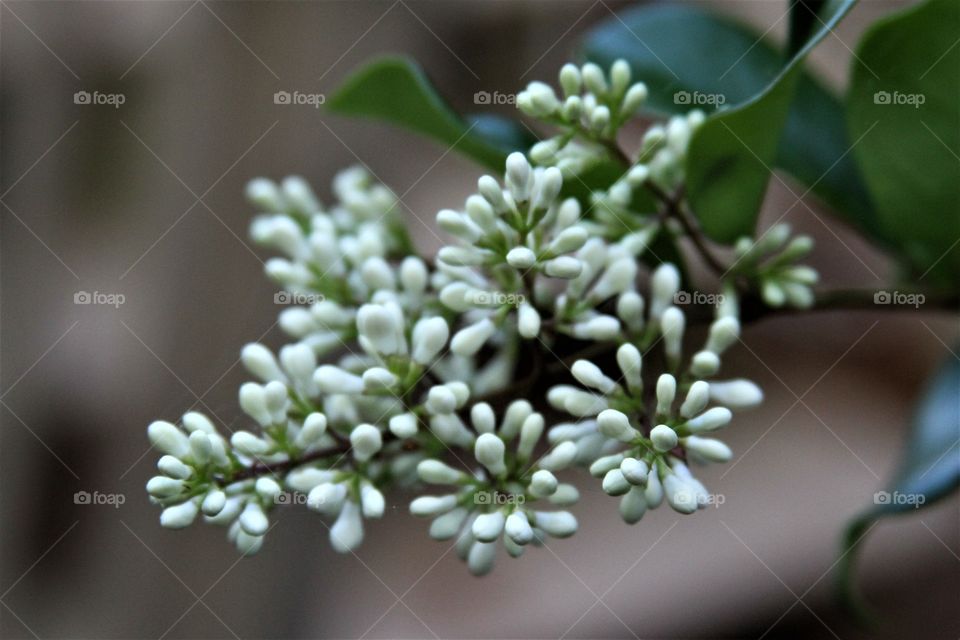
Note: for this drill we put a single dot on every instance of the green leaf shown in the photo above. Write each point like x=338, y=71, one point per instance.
x=398, y=91
x=722, y=63
x=731, y=155
x=903, y=101
x=501, y=132
x=929, y=470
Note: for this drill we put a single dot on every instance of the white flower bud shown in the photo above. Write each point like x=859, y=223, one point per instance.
x=680, y=494
x=709, y=449
x=193, y=421
x=488, y=526
x=518, y=528
x=179, y=516
x=594, y=79
x=253, y=402
x=616, y=278
x=213, y=503
x=404, y=425
x=171, y=466
x=481, y=557
x=265, y=194
x=377, y=274
x=332, y=380
x=582, y=404
x=267, y=489
x=545, y=151
x=570, y=79
x=664, y=285
x=305, y=479
x=560, y=458
x=723, y=333
x=666, y=392
x=737, y=394
x=314, y=426
x=429, y=337
x=653, y=493
x=710, y=420
x=167, y=438
x=247, y=544
x=346, y=534
x=470, y=339
x=372, y=501
x=635, y=97
x=590, y=375
x=260, y=362
x=253, y=520
x=547, y=187
x=600, y=466
x=663, y=437
x=440, y=400
x=704, y=364
x=249, y=444
x=377, y=379
x=528, y=321
x=366, y=441
x=448, y=524
x=327, y=498
x=566, y=267
x=697, y=398
x=521, y=258
x=630, y=310
x=633, y=505
x=433, y=505
x=600, y=328
x=436, y=472
x=543, y=483
x=560, y=524
x=483, y=418
x=518, y=176
x=489, y=451
x=530, y=433
x=565, y=495
x=614, y=483
x=299, y=195
x=378, y=325
x=634, y=471
x=630, y=362
x=672, y=324
x=615, y=424
x=164, y=487
x=299, y=361
x=481, y=209
x=276, y=397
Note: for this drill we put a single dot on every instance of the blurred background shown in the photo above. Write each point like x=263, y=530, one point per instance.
x=143, y=201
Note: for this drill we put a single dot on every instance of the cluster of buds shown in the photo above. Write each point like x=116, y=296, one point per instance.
x=771, y=262
x=399, y=366
x=496, y=499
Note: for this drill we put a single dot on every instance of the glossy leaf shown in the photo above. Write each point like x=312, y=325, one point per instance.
x=904, y=102
x=928, y=471
x=398, y=91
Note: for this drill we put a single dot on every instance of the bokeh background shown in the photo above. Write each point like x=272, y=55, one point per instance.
x=145, y=200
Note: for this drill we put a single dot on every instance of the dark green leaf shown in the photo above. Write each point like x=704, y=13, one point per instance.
x=689, y=57
x=502, y=132
x=929, y=470
x=397, y=90
x=903, y=102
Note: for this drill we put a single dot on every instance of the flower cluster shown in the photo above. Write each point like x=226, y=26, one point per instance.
x=404, y=371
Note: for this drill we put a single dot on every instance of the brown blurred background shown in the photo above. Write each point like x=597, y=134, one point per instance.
x=145, y=200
